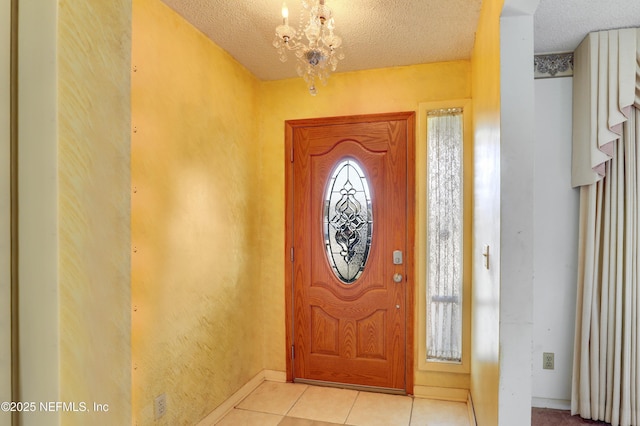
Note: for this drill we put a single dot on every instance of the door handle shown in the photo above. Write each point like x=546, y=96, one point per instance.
x=397, y=278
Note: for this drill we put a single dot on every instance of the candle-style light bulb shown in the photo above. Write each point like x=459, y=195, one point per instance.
x=285, y=14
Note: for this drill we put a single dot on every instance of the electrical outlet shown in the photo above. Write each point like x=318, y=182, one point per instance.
x=160, y=405
x=547, y=360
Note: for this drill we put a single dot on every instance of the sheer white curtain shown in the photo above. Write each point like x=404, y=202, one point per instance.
x=606, y=138
x=445, y=234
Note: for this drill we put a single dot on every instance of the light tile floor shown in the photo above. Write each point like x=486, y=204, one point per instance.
x=293, y=404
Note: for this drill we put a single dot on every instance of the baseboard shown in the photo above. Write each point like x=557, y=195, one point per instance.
x=445, y=394
x=235, y=399
x=556, y=404
x=275, y=376
x=472, y=411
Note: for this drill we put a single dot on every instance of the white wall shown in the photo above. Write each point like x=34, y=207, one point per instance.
x=5, y=235
x=516, y=211
x=555, y=243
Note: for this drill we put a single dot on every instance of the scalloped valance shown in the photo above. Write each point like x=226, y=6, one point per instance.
x=606, y=84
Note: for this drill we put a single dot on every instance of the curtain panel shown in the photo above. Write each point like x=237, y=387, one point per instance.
x=606, y=139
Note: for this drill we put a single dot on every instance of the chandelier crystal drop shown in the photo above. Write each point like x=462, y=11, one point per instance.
x=316, y=47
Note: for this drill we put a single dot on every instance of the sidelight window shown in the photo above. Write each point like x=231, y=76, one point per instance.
x=445, y=232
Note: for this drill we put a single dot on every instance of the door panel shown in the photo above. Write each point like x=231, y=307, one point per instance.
x=343, y=330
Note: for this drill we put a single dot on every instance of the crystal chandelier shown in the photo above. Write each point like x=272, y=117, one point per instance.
x=319, y=52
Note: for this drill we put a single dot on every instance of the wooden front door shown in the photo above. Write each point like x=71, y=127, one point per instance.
x=349, y=240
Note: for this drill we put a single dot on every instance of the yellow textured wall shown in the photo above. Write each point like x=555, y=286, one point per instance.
x=197, y=326
x=94, y=208
x=486, y=227
x=208, y=204
x=73, y=190
x=364, y=92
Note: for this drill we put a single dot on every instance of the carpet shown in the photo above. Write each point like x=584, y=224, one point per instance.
x=550, y=417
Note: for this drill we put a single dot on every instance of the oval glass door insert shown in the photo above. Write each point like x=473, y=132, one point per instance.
x=347, y=220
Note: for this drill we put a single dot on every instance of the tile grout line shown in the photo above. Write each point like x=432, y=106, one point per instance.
x=413, y=399
x=256, y=411
x=351, y=408
x=297, y=399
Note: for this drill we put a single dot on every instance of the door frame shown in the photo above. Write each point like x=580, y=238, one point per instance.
x=290, y=126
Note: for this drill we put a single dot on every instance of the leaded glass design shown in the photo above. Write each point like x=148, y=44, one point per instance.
x=444, y=235
x=347, y=220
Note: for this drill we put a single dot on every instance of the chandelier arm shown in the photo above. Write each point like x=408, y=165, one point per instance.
x=317, y=48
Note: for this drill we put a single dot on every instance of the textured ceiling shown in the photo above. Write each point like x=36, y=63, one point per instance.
x=375, y=33
x=560, y=25
x=383, y=33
